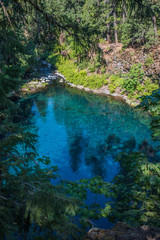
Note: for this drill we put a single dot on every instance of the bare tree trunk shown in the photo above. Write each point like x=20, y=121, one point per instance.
x=37, y=21
x=124, y=10
x=108, y=33
x=115, y=23
x=154, y=22
x=155, y=25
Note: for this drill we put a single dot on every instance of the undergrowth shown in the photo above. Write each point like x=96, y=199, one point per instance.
x=134, y=83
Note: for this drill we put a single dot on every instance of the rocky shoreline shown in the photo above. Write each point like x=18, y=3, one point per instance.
x=37, y=85
x=40, y=84
x=102, y=91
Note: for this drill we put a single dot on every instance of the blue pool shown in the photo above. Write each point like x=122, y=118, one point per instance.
x=82, y=133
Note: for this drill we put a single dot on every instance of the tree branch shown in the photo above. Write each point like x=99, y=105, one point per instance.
x=6, y=14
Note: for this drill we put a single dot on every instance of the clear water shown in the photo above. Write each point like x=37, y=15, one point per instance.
x=82, y=132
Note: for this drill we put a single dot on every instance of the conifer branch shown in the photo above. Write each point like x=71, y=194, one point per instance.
x=6, y=14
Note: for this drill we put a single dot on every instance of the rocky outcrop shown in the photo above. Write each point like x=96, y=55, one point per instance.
x=37, y=85
x=120, y=60
x=124, y=232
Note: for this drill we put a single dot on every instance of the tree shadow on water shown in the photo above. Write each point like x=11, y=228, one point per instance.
x=100, y=158
x=75, y=150
x=96, y=165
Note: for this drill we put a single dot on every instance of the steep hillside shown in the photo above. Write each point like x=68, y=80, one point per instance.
x=120, y=60
x=127, y=73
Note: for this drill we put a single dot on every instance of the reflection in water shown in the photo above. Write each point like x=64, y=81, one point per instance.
x=75, y=150
x=41, y=106
x=83, y=133
x=96, y=165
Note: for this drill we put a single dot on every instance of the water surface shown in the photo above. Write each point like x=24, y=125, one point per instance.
x=82, y=133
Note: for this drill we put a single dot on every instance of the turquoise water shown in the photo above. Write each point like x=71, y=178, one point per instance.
x=82, y=133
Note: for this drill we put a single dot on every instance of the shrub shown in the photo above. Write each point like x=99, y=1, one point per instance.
x=103, y=70
x=149, y=86
x=149, y=61
x=92, y=68
x=102, y=40
x=133, y=78
x=112, y=88
x=53, y=58
x=71, y=73
x=116, y=80
x=83, y=65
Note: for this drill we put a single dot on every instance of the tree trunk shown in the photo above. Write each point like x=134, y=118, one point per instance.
x=108, y=33
x=115, y=23
x=155, y=25
x=37, y=21
x=154, y=22
x=124, y=10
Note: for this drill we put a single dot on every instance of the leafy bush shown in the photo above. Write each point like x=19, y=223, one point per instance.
x=83, y=65
x=53, y=58
x=91, y=68
x=71, y=73
x=102, y=40
x=133, y=78
x=112, y=88
x=134, y=192
x=103, y=70
x=116, y=80
x=149, y=86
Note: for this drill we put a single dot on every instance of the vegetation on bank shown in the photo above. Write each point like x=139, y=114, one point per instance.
x=134, y=84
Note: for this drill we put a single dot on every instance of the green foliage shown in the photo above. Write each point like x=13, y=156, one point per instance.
x=73, y=75
x=112, y=88
x=149, y=61
x=136, y=33
x=134, y=82
x=133, y=78
x=94, y=81
x=151, y=103
x=149, y=86
x=135, y=191
x=91, y=68
x=53, y=58
x=45, y=55
x=28, y=194
x=133, y=196
x=83, y=65
x=115, y=81
x=102, y=40
x=103, y=70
